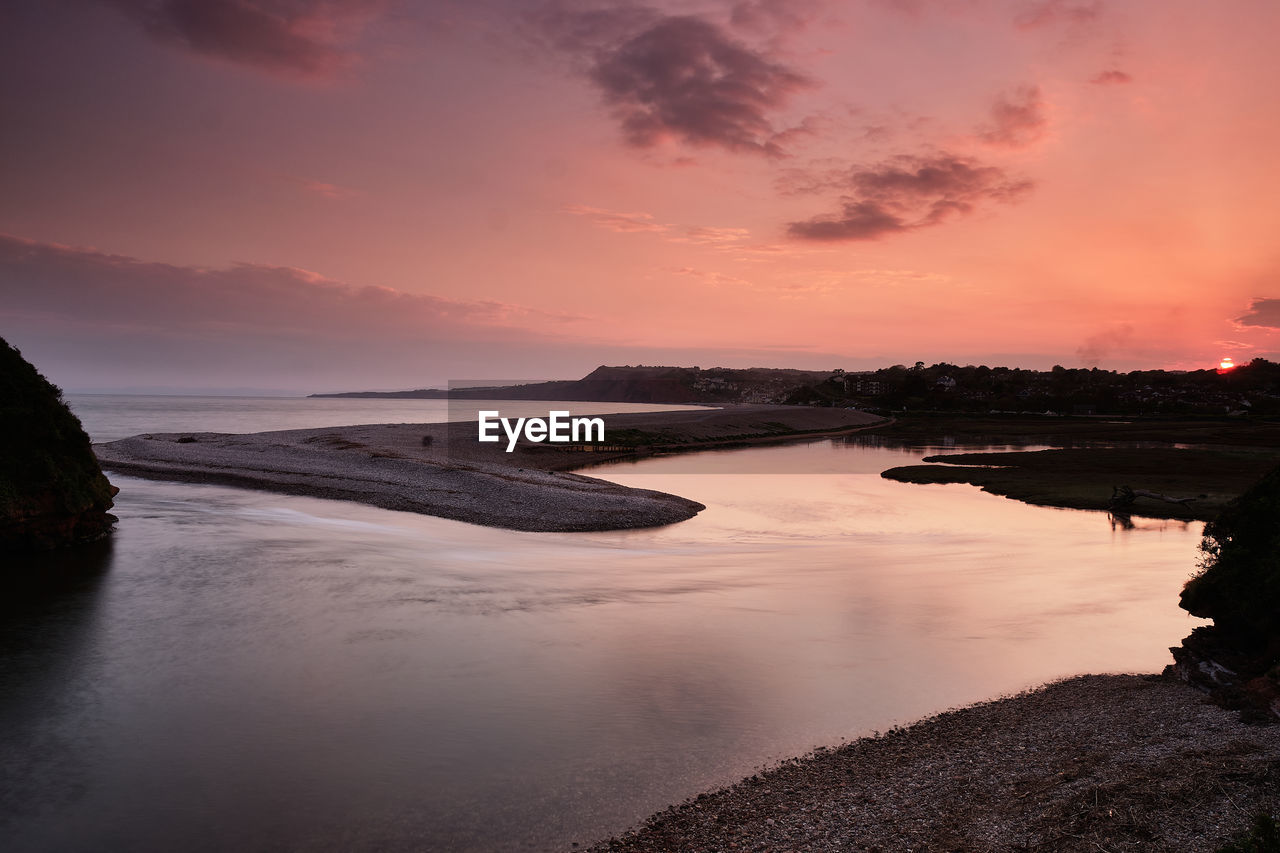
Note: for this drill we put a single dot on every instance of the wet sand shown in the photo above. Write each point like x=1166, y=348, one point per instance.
x=455, y=476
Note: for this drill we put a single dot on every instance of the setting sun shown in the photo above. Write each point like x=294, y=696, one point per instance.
x=1225, y=365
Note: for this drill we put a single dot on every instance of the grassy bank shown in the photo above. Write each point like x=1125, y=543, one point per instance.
x=1063, y=431
x=1086, y=478
x=1203, y=462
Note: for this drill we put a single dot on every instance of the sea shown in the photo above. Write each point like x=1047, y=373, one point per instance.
x=238, y=670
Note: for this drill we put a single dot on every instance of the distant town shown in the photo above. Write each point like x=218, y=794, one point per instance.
x=1246, y=390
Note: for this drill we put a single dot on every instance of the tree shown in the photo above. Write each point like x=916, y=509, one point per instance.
x=1238, y=586
x=1236, y=658
x=52, y=492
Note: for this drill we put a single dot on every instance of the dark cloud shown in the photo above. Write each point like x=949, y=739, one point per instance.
x=1017, y=119
x=99, y=322
x=1111, y=77
x=1053, y=12
x=1263, y=312
x=296, y=37
x=908, y=193
x=858, y=220
x=96, y=320
x=114, y=290
x=678, y=77
x=683, y=77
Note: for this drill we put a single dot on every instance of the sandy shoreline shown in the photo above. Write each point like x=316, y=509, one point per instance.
x=455, y=476
x=1114, y=762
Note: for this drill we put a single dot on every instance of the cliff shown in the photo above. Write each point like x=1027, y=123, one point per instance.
x=52, y=492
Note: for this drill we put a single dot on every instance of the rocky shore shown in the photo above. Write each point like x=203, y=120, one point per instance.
x=1093, y=763
x=442, y=470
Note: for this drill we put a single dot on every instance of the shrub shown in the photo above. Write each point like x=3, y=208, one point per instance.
x=1238, y=586
x=46, y=463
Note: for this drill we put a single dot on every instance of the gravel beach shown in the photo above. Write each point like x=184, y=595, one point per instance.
x=350, y=464
x=1093, y=763
x=452, y=475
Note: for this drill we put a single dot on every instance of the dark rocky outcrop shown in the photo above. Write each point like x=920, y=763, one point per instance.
x=52, y=492
x=1237, y=658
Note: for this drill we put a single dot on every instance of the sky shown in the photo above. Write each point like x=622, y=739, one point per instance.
x=296, y=196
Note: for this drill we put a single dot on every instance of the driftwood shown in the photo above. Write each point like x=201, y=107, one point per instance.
x=1123, y=496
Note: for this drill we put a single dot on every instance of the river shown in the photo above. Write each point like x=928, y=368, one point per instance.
x=238, y=670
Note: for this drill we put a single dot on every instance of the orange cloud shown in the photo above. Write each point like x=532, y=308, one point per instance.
x=1017, y=119
x=1105, y=343
x=1111, y=77
x=626, y=223
x=326, y=190
x=1056, y=12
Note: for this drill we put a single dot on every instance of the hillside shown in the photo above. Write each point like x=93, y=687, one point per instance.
x=640, y=384
x=1250, y=389
x=52, y=492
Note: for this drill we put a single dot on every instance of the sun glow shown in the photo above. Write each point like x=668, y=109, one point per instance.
x=1226, y=365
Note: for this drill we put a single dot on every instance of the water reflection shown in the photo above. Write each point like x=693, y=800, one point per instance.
x=50, y=619
x=108, y=417
x=259, y=671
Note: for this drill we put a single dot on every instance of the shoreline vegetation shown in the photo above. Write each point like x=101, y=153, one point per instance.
x=1246, y=391
x=1199, y=464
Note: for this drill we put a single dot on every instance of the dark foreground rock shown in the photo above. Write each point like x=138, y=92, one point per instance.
x=52, y=492
x=1119, y=762
x=1237, y=658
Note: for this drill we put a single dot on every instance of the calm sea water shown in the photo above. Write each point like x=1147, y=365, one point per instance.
x=246, y=671
x=108, y=417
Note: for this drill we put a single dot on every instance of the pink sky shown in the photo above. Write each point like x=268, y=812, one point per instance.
x=311, y=195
